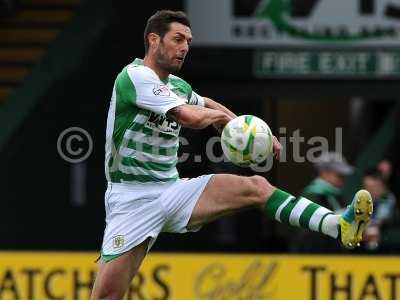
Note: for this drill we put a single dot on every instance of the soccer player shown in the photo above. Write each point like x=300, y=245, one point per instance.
x=145, y=195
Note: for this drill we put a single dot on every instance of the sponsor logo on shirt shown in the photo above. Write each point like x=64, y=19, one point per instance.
x=163, y=124
x=161, y=90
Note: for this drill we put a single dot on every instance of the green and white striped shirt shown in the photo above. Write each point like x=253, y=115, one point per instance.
x=141, y=142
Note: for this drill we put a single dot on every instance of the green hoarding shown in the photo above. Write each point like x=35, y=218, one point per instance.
x=327, y=63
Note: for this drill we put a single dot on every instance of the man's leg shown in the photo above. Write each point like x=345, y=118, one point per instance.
x=229, y=193
x=113, y=277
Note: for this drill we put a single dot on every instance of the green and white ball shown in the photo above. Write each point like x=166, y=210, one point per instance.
x=247, y=140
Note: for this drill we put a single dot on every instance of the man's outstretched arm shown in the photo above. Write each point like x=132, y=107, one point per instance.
x=209, y=103
x=198, y=117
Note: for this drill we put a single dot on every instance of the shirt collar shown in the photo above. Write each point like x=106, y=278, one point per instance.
x=138, y=61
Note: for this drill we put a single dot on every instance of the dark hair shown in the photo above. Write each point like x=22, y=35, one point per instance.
x=159, y=23
x=376, y=174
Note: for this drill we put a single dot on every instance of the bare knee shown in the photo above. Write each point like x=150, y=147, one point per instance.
x=260, y=189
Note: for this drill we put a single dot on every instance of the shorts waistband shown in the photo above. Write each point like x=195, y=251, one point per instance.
x=137, y=186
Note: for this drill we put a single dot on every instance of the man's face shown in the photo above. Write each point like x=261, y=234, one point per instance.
x=173, y=47
x=375, y=186
x=333, y=178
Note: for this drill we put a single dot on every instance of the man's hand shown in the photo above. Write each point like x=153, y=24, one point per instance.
x=277, y=148
x=209, y=103
x=219, y=126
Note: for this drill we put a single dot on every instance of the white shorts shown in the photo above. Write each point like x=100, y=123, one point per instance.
x=136, y=212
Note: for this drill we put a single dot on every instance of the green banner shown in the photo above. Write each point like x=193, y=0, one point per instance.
x=327, y=63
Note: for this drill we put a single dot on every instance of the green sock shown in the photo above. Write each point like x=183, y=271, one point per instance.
x=301, y=212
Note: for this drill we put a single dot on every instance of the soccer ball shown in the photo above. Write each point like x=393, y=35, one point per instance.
x=247, y=140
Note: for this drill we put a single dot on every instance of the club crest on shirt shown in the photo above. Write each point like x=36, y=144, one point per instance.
x=161, y=90
x=118, y=241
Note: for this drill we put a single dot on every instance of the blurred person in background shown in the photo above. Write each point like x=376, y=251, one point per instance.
x=389, y=166
x=384, y=213
x=325, y=189
x=332, y=169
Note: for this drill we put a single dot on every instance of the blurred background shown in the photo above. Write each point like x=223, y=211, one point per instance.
x=318, y=68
